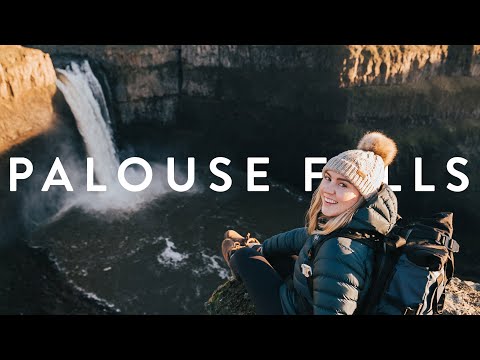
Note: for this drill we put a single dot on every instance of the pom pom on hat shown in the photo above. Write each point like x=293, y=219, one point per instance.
x=380, y=144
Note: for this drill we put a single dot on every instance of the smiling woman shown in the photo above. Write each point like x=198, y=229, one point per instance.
x=285, y=275
x=349, y=179
x=337, y=193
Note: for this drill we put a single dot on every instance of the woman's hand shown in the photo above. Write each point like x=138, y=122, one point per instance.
x=257, y=247
x=251, y=241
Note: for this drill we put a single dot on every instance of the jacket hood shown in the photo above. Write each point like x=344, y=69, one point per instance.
x=379, y=213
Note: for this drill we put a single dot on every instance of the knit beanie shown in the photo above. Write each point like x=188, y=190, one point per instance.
x=365, y=166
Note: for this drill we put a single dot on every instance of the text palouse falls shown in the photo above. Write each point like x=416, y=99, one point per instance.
x=256, y=168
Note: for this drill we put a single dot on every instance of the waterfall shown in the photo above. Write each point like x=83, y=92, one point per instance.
x=84, y=95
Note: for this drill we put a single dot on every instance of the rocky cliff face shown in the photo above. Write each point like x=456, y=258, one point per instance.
x=140, y=81
x=27, y=85
x=147, y=81
x=231, y=298
x=35, y=123
x=22, y=70
x=475, y=66
x=391, y=64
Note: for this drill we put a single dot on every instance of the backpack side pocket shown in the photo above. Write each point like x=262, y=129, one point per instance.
x=411, y=289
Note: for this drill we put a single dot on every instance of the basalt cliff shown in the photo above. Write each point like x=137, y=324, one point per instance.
x=27, y=86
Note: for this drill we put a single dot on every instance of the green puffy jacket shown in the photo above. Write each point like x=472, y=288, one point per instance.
x=342, y=268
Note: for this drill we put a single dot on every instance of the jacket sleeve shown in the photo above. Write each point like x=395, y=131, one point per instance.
x=341, y=273
x=287, y=243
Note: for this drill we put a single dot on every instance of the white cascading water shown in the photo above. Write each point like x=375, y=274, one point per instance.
x=84, y=95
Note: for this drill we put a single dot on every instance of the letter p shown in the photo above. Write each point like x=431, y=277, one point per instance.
x=14, y=175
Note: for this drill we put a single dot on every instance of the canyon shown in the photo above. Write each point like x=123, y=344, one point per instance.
x=283, y=102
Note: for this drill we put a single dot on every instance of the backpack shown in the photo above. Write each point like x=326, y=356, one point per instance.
x=414, y=263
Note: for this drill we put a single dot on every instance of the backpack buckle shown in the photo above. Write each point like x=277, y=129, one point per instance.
x=454, y=245
x=306, y=270
x=411, y=311
x=450, y=243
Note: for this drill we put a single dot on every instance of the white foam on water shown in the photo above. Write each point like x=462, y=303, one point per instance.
x=171, y=258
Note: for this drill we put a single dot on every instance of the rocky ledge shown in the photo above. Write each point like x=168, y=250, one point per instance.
x=231, y=298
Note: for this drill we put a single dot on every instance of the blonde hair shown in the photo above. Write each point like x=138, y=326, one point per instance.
x=317, y=223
